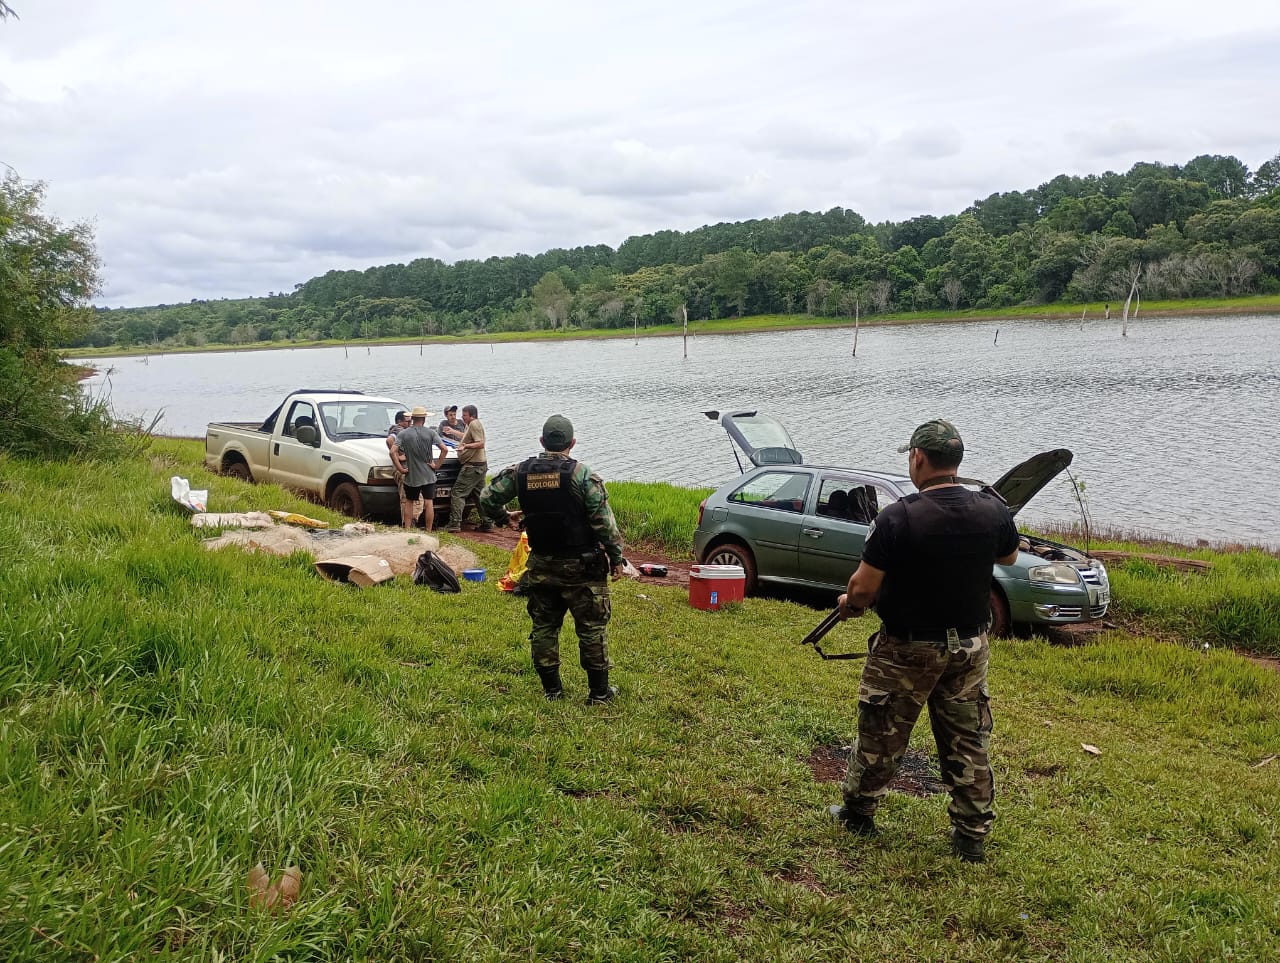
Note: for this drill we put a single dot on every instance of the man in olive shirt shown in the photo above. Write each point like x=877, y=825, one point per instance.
x=474, y=464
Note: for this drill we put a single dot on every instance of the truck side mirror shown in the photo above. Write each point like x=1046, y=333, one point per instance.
x=307, y=434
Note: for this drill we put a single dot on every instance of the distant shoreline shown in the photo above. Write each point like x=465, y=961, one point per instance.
x=1260, y=305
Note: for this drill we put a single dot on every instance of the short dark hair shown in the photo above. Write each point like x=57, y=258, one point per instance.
x=401, y=414
x=943, y=460
x=470, y=410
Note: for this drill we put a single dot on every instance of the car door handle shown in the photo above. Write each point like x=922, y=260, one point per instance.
x=326, y=458
x=277, y=451
x=812, y=532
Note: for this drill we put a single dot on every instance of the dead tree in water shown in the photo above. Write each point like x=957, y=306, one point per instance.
x=857, y=315
x=1136, y=270
x=684, y=314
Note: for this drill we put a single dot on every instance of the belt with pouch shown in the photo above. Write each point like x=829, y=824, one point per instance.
x=938, y=635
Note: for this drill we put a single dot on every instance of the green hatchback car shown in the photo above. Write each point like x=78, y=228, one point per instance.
x=789, y=523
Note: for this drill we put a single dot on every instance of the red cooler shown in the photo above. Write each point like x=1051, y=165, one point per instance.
x=712, y=586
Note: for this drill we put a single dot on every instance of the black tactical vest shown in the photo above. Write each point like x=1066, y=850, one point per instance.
x=943, y=576
x=554, y=517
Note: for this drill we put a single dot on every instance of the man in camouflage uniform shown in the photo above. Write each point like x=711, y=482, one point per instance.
x=927, y=567
x=574, y=546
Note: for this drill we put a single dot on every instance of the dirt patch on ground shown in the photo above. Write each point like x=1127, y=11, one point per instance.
x=916, y=776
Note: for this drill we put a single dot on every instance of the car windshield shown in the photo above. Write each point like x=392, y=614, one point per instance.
x=359, y=419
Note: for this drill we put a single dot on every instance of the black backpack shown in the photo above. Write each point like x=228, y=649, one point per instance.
x=432, y=572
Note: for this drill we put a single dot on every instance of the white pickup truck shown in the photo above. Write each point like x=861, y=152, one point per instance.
x=329, y=445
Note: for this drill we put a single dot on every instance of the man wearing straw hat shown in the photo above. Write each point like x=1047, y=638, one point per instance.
x=413, y=453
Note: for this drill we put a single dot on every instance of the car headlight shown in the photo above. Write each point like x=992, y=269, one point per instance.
x=1054, y=573
x=382, y=473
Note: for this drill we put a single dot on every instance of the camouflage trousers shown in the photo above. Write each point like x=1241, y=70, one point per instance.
x=899, y=679
x=554, y=586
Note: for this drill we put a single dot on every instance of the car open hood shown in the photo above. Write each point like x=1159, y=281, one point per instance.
x=1019, y=485
x=761, y=438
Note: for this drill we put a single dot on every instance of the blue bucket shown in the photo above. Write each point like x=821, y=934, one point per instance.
x=473, y=574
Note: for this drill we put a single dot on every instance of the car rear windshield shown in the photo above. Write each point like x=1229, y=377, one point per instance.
x=762, y=431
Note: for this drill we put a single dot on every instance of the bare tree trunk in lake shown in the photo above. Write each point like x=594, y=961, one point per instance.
x=1082, y=311
x=684, y=314
x=1136, y=270
x=996, y=340
x=857, y=314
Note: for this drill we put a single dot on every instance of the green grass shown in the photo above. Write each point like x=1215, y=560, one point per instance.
x=1254, y=304
x=657, y=516
x=171, y=716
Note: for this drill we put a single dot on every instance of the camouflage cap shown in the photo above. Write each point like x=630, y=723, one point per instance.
x=557, y=433
x=936, y=435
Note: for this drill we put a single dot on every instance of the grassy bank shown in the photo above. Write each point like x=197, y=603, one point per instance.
x=1255, y=304
x=171, y=716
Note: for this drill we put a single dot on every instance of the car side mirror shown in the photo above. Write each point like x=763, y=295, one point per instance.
x=307, y=434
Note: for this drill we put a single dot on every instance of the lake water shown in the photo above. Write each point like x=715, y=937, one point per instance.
x=1174, y=427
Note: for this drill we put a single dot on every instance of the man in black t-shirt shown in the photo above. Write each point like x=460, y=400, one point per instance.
x=927, y=568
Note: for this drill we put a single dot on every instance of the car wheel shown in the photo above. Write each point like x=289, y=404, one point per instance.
x=345, y=499
x=238, y=469
x=731, y=553
x=1000, y=623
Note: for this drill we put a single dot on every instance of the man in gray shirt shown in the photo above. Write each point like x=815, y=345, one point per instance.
x=413, y=453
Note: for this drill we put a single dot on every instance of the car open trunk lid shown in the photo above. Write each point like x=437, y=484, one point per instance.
x=761, y=438
x=1019, y=485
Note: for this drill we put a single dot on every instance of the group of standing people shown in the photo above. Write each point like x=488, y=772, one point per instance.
x=413, y=447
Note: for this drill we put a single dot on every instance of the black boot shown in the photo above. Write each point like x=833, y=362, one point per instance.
x=550, y=676
x=601, y=691
x=860, y=824
x=970, y=849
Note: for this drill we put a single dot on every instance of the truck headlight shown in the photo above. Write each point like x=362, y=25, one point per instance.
x=1054, y=573
x=381, y=473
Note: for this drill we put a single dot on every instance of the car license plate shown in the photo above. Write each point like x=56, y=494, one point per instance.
x=441, y=492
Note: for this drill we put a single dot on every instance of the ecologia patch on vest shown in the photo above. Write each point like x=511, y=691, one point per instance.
x=541, y=480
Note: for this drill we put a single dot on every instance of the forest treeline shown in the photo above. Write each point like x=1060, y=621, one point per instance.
x=1208, y=228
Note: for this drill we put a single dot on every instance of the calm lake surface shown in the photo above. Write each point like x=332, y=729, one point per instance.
x=1174, y=428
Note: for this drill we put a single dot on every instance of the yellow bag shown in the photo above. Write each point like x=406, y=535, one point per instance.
x=519, y=560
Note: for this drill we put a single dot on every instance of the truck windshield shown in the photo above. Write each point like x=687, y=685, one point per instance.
x=358, y=419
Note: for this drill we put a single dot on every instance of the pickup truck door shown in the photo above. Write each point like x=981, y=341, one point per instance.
x=293, y=464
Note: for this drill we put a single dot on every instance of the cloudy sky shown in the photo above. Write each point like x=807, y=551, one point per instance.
x=244, y=146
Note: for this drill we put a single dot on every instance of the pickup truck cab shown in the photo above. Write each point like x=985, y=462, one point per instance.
x=330, y=445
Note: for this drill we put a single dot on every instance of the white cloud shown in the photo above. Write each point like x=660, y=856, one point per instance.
x=232, y=149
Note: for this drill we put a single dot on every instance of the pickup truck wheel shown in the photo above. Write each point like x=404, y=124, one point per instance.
x=345, y=499
x=1000, y=623
x=238, y=469
x=731, y=553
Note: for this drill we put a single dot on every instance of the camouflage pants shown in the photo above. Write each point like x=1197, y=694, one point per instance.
x=554, y=586
x=899, y=679
x=469, y=481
